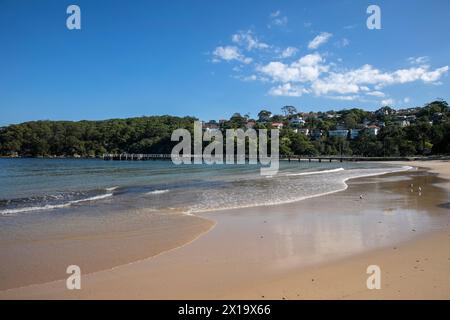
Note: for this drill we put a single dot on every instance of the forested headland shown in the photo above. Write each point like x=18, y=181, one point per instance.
x=386, y=132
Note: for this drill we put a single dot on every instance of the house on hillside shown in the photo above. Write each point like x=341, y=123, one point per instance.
x=354, y=133
x=211, y=125
x=278, y=125
x=304, y=131
x=402, y=121
x=343, y=133
x=297, y=121
x=373, y=129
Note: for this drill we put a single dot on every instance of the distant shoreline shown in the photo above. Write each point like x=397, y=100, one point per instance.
x=284, y=158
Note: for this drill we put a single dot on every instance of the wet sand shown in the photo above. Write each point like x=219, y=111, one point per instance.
x=316, y=248
x=42, y=248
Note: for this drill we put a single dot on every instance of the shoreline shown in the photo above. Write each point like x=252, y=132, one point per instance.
x=140, y=268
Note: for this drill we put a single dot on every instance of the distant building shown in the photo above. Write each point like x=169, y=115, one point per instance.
x=373, y=129
x=354, y=133
x=338, y=133
x=312, y=115
x=402, y=121
x=316, y=134
x=304, y=131
x=278, y=125
x=297, y=121
x=211, y=125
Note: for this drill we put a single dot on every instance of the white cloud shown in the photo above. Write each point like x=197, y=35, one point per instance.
x=344, y=98
x=349, y=27
x=248, y=40
x=276, y=19
x=388, y=102
x=342, y=43
x=288, y=52
x=311, y=74
x=352, y=81
x=319, y=40
x=406, y=100
x=307, y=68
x=287, y=90
x=229, y=53
x=418, y=60
x=376, y=94
x=275, y=14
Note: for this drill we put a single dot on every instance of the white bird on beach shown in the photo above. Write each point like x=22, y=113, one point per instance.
x=420, y=189
x=361, y=196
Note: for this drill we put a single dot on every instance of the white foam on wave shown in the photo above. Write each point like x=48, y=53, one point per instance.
x=157, y=192
x=111, y=188
x=344, y=187
x=8, y=212
x=314, y=172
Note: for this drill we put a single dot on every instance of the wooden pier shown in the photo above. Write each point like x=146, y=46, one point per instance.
x=146, y=157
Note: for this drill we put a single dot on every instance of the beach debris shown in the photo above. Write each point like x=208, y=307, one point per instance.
x=395, y=248
x=413, y=230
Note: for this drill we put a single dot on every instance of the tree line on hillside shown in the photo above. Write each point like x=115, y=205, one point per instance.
x=428, y=134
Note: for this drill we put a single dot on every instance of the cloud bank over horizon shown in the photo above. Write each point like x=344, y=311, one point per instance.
x=318, y=73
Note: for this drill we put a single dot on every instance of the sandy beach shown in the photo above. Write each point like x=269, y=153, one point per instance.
x=318, y=248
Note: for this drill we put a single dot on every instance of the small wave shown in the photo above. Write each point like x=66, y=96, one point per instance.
x=111, y=188
x=157, y=192
x=342, y=187
x=8, y=212
x=314, y=172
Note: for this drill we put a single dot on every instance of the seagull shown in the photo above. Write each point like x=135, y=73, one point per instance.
x=420, y=189
x=360, y=196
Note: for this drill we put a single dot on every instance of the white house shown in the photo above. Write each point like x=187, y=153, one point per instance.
x=373, y=129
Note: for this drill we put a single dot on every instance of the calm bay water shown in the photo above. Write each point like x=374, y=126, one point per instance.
x=33, y=186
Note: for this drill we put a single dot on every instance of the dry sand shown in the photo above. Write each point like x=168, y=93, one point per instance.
x=318, y=248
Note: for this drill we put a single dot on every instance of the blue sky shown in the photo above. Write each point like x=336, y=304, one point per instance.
x=212, y=58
